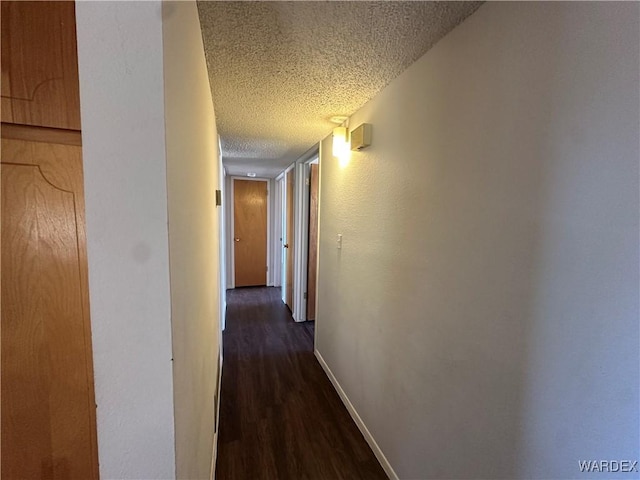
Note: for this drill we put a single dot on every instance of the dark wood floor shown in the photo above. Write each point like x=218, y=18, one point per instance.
x=280, y=416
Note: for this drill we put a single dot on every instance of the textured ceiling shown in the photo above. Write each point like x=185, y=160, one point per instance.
x=280, y=70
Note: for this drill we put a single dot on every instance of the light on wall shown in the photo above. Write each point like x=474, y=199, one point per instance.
x=341, y=147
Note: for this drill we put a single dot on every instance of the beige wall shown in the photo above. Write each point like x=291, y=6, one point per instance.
x=193, y=175
x=482, y=314
x=122, y=107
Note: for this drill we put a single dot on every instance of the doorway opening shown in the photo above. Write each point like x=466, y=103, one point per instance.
x=312, y=237
x=299, y=203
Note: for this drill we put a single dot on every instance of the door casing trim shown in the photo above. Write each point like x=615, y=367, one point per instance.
x=231, y=230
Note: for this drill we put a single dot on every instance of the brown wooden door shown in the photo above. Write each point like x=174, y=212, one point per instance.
x=250, y=232
x=312, y=264
x=48, y=406
x=289, y=243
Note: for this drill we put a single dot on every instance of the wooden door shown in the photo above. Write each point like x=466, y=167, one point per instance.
x=312, y=263
x=250, y=232
x=48, y=405
x=289, y=237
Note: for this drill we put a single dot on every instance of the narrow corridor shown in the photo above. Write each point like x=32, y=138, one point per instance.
x=280, y=416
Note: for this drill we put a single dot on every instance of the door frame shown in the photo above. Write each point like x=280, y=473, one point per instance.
x=276, y=264
x=301, y=232
x=307, y=211
x=231, y=231
x=223, y=226
x=281, y=181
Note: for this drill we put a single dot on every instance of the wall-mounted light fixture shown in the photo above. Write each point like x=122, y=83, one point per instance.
x=341, y=145
x=361, y=137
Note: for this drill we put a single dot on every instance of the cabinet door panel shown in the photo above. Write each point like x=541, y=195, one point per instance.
x=48, y=405
x=40, y=65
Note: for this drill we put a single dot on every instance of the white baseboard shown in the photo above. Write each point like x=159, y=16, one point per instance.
x=356, y=418
x=214, y=455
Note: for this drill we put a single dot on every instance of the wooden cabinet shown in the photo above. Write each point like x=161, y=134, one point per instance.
x=48, y=408
x=48, y=411
x=40, y=64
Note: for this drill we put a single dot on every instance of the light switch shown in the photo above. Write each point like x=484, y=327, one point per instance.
x=339, y=242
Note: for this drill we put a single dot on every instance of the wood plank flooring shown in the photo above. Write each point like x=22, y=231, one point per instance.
x=280, y=417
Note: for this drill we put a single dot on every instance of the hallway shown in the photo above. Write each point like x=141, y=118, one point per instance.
x=280, y=416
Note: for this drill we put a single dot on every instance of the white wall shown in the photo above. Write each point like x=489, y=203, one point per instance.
x=227, y=204
x=224, y=260
x=194, y=228
x=122, y=107
x=482, y=315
